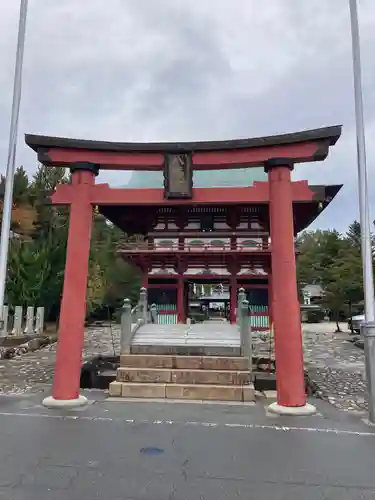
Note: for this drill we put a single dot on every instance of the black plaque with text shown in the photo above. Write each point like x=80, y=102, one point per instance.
x=178, y=176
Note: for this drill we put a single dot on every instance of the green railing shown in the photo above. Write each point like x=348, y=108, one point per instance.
x=166, y=307
x=166, y=314
x=167, y=319
x=259, y=317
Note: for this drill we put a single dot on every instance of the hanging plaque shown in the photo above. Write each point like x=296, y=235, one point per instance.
x=178, y=176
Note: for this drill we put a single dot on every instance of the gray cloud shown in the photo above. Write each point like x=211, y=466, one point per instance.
x=180, y=70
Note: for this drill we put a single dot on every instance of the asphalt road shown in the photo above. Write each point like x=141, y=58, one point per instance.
x=161, y=451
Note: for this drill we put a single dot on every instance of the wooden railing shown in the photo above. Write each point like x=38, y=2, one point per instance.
x=186, y=247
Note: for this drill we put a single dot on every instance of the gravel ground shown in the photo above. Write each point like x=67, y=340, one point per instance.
x=31, y=372
x=336, y=366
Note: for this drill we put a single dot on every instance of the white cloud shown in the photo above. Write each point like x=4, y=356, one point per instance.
x=182, y=70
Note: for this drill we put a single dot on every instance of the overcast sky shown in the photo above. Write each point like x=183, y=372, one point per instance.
x=168, y=70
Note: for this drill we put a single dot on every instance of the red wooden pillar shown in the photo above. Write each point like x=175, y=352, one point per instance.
x=180, y=300
x=285, y=305
x=270, y=299
x=66, y=382
x=233, y=299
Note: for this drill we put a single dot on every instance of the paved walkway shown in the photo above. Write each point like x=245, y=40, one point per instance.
x=180, y=451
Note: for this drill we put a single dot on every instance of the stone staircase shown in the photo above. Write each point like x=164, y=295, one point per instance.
x=208, y=361
x=187, y=377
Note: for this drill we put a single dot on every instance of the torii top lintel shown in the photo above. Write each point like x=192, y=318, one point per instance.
x=301, y=147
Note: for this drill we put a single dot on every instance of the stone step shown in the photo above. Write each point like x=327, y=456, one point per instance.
x=184, y=362
x=206, y=392
x=187, y=350
x=189, y=376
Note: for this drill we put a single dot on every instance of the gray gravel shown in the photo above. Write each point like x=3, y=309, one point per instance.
x=32, y=371
x=334, y=363
x=336, y=366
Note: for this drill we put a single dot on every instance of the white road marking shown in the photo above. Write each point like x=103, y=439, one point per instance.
x=277, y=428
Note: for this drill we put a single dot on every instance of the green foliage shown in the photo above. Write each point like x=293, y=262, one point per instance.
x=35, y=273
x=353, y=235
x=20, y=187
x=333, y=261
x=318, y=252
x=123, y=282
x=23, y=211
x=36, y=266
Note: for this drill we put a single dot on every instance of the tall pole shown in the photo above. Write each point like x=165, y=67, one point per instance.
x=9, y=180
x=364, y=213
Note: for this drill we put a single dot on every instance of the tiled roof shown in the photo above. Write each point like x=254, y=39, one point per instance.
x=239, y=177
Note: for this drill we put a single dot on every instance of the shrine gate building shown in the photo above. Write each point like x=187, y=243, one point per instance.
x=202, y=212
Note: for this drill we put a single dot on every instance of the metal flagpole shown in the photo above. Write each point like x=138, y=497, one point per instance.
x=368, y=327
x=9, y=181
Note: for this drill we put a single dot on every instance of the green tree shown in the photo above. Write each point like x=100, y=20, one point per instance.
x=345, y=284
x=318, y=251
x=23, y=210
x=33, y=278
x=353, y=235
x=124, y=282
x=20, y=187
x=51, y=218
x=36, y=266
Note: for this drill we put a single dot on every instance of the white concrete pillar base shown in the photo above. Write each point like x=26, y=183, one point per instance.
x=295, y=411
x=51, y=402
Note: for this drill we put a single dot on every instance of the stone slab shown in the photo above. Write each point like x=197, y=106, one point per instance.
x=224, y=363
x=187, y=362
x=186, y=350
x=184, y=362
x=204, y=392
x=143, y=390
x=155, y=375
x=146, y=361
x=115, y=389
x=248, y=393
x=216, y=377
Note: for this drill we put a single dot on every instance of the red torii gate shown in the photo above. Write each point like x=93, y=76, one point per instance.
x=278, y=155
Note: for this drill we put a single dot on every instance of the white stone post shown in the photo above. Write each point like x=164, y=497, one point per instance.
x=143, y=305
x=240, y=298
x=39, y=321
x=245, y=333
x=5, y=316
x=17, y=322
x=29, y=327
x=126, y=327
x=154, y=314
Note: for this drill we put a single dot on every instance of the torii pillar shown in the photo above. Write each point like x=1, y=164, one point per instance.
x=290, y=382
x=66, y=382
